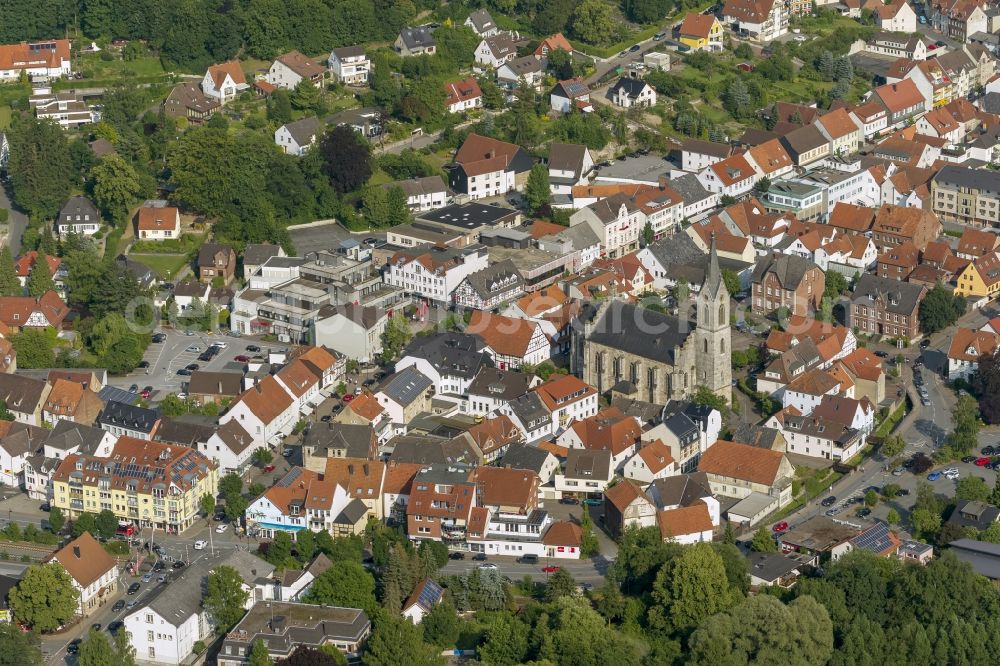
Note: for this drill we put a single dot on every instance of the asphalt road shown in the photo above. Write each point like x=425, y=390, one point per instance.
x=17, y=222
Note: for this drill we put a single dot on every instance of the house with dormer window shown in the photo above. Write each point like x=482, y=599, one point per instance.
x=225, y=81
x=967, y=347
x=733, y=176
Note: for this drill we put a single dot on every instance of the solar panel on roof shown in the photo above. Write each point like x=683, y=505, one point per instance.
x=875, y=539
x=429, y=595
x=290, y=478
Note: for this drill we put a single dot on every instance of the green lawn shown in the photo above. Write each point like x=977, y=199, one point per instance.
x=98, y=69
x=4, y=116
x=165, y=265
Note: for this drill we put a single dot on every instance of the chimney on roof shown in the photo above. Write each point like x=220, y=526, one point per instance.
x=76, y=552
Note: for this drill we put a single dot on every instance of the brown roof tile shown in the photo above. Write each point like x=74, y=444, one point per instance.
x=741, y=461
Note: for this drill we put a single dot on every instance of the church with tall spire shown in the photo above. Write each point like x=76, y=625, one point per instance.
x=656, y=357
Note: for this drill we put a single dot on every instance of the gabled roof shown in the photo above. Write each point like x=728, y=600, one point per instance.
x=748, y=11
x=656, y=455
x=462, y=91
x=266, y=400
x=770, y=156
x=480, y=154
x=623, y=493
x=900, y=96
x=305, y=67
x=482, y=21
x=631, y=87
x=500, y=486
x=85, y=560
x=406, y=386
x=157, y=218
x=697, y=25
x=571, y=88
x=838, y=123
x=733, y=170
x=789, y=269
x=969, y=345
x=231, y=68
x=742, y=461
x=420, y=37
x=556, y=41
x=977, y=243
x=609, y=429
x=304, y=130
x=684, y=520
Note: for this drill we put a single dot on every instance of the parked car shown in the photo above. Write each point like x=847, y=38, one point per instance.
x=200, y=544
x=269, y=468
x=193, y=366
x=864, y=512
x=983, y=462
x=479, y=557
x=590, y=501
x=148, y=577
x=119, y=605
x=219, y=344
x=74, y=646
x=934, y=476
x=288, y=453
x=222, y=528
x=116, y=625
x=968, y=459
x=134, y=388
x=143, y=365
x=241, y=358
x=326, y=418
x=133, y=588
x=780, y=527
x=159, y=337
x=348, y=397
x=569, y=500
x=457, y=555
x=253, y=348
x=988, y=451
x=488, y=565
x=528, y=559
x=179, y=564
x=829, y=501
x=550, y=569
x=184, y=372
x=194, y=349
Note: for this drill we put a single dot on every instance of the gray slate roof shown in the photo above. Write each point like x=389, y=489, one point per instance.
x=789, y=268
x=500, y=384
x=65, y=435
x=482, y=21
x=417, y=37
x=304, y=130
x=588, y=464
x=182, y=598
x=355, y=440
x=128, y=416
x=76, y=209
x=984, y=557
x=523, y=456
x=494, y=279
x=22, y=394
x=567, y=157
x=256, y=254
x=406, y=386
x=680, y=490
x=454, y=354
x=631, y=87
x=899, y=297
x=640, y=332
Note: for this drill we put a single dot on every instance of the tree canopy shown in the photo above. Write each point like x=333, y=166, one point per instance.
x=45, y=597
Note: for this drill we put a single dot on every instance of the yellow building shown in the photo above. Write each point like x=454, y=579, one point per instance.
x=143, y=483
x=980, y=278
x=701, y=33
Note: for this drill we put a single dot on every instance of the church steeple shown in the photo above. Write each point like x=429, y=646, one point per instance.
x=713, y=278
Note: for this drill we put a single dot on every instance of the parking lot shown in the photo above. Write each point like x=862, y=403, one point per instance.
x=167, y=357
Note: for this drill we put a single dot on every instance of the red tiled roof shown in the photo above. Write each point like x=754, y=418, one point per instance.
x=682, y=521
x=741, y=461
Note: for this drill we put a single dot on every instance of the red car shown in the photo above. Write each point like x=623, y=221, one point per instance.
x=348, y=397
x=269, y=468
x=780, y=527
x=550, y=569
x=982, y=462
x=242, y=358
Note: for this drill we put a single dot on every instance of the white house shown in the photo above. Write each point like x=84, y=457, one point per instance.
x=511, y=343
x=464, y=95
x=266, y=411
x=353, y=330
x=302, y=382
x=350, y=65
x=897, y=16
x=426, y=595
x=496, y=50
x=423, y=194
x=298, y=136
x=652, y=461
x=687, y=524
x=230, y=447
x=39, y=60
x=164, y=627
x=434, y=272
x=568, y=398
x=303, y=499
x=586, y=472
x=93, y=571
x=761, y=21
x=818, y=437
x=629, y=92
x=567, y=94
x=482, y=23
x=225, y=81
x=733, y=176
x=77, y=216
x=290, y=69
x=402, y=390
x=967, y=345
x=617, y=221
x=807, y=390
x=569, y=166
x=157, y=222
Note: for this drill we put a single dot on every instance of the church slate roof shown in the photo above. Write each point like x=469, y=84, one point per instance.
x=640, y=332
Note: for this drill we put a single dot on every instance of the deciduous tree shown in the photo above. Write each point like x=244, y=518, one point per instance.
x=45, y=597
x=259, y=655
x=345, y=583
x=41, y=172
x=34, y=348
x=346, y=159
x=19, y=648
x=940, y=309
x=395, y=641
x=101, y=650
x=117, y=187
x=537, y=190
x=762, y=541
x=225, y=597
x=690, y=588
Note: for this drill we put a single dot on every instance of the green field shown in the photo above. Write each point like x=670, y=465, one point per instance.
x=144, y=66
x=164, y=265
